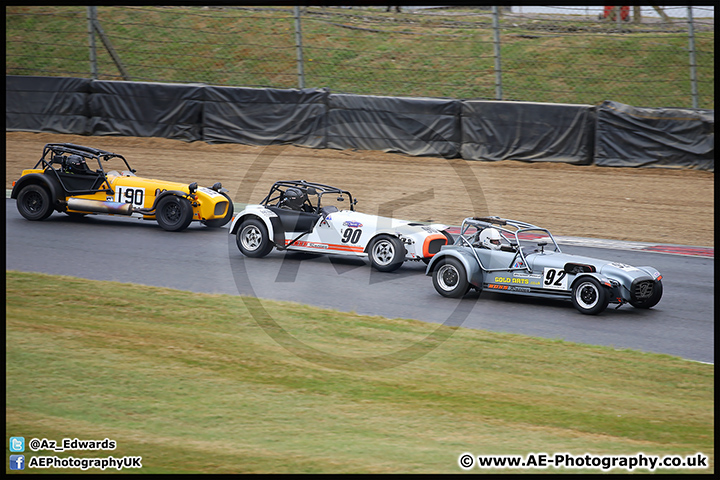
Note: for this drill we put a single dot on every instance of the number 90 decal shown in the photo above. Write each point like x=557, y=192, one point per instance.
x=351, y=235
x=555, y=278
x=133, y=195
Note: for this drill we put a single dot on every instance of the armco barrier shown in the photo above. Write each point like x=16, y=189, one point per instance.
x=610, y=134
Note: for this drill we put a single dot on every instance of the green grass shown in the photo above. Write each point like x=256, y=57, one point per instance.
x=365, y=51
x=199, y=383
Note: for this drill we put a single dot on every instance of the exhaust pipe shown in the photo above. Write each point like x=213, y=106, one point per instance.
x=96, y=206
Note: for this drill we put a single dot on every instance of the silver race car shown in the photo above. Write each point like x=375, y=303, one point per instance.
x=309, y=217
x=510, y=256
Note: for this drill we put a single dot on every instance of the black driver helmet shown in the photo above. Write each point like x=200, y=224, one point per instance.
x=76, y=164
x=295, y=198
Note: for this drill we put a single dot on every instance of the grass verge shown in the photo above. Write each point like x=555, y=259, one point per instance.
x=193, y=384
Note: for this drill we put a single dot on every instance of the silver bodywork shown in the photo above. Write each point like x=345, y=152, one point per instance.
x=530, y=262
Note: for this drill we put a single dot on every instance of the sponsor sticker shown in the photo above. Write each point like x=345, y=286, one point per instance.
x=209, y=192
x=622, y=266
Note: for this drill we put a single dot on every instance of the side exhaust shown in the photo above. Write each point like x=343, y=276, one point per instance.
x=96, y=206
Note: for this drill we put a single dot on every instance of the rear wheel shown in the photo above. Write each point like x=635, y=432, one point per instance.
x=219, y=222
x=589, y=297
x=33, y=203
x=173, y=213
x=386, y=253
x=652, y=300
x=450, y=278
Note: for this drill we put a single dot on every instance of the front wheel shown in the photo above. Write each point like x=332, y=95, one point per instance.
x=652, y=300
x=33, y=203
x=174, y=213
x=589, y=297
x=219, y=222
x=450, y=278
x=387, y=253
x=252, y=239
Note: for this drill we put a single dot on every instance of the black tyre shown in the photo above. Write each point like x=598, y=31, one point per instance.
x=450, y=278
x=589, y=297
x=386, y=253
x=33, y=203
x=219, y=222
x=653, y=299
x=252, y=238
x=173, y=213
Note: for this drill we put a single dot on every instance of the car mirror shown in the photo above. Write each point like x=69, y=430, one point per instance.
x=340, y=199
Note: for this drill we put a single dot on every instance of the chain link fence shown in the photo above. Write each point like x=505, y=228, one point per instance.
x=581, y=55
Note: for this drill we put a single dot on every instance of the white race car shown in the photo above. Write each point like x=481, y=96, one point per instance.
x=293, y=217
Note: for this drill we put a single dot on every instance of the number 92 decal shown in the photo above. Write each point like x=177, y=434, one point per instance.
x=555, y=278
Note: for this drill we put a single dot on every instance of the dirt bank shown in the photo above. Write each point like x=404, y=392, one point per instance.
x=642, y=204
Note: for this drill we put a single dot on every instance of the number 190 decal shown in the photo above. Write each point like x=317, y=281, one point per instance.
x=134, y=195
x=555, y=278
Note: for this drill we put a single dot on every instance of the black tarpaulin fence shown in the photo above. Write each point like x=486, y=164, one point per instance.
x=414, y=126
x=265, y=116
x=654, y=137
x=609, y=134
x=140, y=109
x=527, y=131
x=47, y=104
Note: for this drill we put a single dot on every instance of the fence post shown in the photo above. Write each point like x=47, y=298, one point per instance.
x=496, y=47
x=92, y=16
x=693, y=61
x=298, y=45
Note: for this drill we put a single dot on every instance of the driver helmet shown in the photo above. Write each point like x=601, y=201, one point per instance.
x=490, y=238
x=76, y=164
x=294, y=198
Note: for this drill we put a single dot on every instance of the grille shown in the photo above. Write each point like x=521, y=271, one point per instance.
x=220, y=208
x=435, y=245
x=643, y=290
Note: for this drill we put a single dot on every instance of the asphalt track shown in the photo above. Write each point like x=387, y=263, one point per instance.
x=207, y=261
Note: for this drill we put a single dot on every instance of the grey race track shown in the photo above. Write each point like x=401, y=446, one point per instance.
x=207, y=261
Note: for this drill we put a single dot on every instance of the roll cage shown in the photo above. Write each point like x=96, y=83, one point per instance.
x=310, y=189
x=518, y=235
x=53, y=153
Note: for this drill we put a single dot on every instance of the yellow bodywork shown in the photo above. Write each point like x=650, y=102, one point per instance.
x=141, y=192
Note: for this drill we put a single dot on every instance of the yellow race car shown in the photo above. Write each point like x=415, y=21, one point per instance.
x=62, y=181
